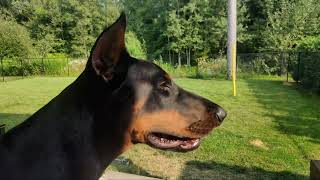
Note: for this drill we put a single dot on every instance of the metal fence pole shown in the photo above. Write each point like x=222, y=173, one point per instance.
x=232, y=36
x=21, y=64
x=68, y=66
x=2, y=71
x=42, y=64
x=281, y=63
x=299, y=61
x=289, y=59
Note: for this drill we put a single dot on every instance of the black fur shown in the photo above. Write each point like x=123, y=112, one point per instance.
x=78, y=133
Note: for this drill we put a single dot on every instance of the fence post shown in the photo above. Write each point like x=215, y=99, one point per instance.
x=2, y=71
x=42, y=64
x=289, y=59
x=282, y=56
x=299, y=61
x=68, y=66
x=21, y=65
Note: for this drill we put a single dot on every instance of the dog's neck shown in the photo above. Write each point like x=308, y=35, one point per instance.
x=92, y=127
x=109, y=116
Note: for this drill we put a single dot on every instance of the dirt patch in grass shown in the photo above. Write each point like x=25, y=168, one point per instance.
x=258, y=143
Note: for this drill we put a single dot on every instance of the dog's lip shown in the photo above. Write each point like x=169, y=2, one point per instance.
x=169, y=142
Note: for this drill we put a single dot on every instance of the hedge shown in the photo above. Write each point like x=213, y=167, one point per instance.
x=307, y=71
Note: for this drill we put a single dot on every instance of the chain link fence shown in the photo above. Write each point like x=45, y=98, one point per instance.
x=267, y=63
x=302, y=67
x=17, y=68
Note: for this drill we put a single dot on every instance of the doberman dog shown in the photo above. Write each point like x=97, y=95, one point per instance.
x=116, y=102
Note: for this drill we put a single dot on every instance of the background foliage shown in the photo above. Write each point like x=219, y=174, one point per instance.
x=188, y=29
x=14, y=40
x=177, y=32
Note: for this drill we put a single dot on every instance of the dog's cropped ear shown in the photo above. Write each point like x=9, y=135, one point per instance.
x=109, y=48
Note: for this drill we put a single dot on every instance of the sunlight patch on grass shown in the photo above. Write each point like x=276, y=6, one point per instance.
x=271, y=132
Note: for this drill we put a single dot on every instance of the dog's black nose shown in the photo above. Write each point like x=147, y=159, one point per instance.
x=221, y=114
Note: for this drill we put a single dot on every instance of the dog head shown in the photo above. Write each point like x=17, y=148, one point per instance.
x=154, y=109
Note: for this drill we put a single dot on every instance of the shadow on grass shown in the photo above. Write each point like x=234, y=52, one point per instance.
x=12, y=120
x=213, y=170
x=125, y=165
x=296, y=113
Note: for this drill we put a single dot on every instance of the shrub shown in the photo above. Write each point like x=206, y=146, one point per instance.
x=76, y=66
x=14, y=40
x=209, y=67
x=260, y=64
x=175, y=71
x=308, y=71
x=310, y=43
x=206, y=68
x=134, y=46
x=46, y=66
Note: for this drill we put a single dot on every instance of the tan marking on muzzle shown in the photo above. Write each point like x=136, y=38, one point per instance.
x=141, y=97
x=167, y=76
x=169, y=122
x=138, y=106
x=202, y=127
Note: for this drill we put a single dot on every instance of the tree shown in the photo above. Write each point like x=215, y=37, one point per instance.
x=134, y=46
x=192, y=38
x=170, y=28
x=174, y=32
x=148, y=21
x=14, y=40
x=286, y=23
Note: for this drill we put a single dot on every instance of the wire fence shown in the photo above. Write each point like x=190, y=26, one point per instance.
x=303, y=67
x=17, y=68
x=277, y=63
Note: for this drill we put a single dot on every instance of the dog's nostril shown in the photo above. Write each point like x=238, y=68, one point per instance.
x=221, y=114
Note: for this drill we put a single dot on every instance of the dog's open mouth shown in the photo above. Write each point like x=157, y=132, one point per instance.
x=169, y=142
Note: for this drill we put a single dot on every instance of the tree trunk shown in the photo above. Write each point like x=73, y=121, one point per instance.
x=2, y=70
x=173, y=60
x=170, y=57
x=189, y=54
x=189, y=63
x=179, y=59
x=187, y=58
x=169, y=53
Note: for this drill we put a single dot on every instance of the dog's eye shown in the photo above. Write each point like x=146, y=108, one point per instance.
x=165, y=86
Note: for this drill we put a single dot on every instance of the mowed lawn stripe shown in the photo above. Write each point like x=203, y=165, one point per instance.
x=21, y=98
x=271, y=132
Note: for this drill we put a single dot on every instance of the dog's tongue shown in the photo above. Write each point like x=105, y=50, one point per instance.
x=190, y=144
x=163, y=141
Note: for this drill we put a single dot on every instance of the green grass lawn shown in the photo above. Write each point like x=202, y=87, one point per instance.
x=271, y=132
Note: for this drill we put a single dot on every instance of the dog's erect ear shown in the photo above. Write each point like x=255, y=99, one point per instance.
x=109, y=48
